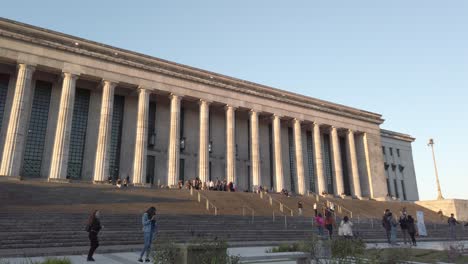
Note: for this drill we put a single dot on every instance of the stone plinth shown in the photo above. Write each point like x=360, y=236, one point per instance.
x=458, y=207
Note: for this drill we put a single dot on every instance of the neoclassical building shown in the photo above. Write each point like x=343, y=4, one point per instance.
x=76, y=110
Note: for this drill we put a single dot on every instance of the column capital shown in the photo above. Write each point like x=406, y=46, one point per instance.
x=110, y=83
x=349, y=131
x=297, y=120
x=253, y=112
x=175, y=96
x=26, y=66
x=70, y=75
x=276, y=116
x=204, y=101
x=315, y=123
x=142, y=89
x=226, y=107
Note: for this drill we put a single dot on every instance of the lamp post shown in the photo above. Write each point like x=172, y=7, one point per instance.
x=439, y=192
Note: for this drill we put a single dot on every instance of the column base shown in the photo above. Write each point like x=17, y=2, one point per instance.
x=59, y=180
x=10, y=178
x=347, y=197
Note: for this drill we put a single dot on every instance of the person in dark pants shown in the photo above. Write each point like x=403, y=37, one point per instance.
x=411, y=229
x=93, y=228
x=330, y=223
x=386, y=224
x=149, y=229
x=404, y=225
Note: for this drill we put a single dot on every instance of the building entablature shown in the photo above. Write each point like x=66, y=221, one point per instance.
x=396, y=135
x=147, y=71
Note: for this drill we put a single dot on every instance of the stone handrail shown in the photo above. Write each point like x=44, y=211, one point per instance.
x=209, y=204
x=271, y=201
x=250, y=209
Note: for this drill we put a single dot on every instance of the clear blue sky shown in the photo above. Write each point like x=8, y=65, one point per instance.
x=407, y=60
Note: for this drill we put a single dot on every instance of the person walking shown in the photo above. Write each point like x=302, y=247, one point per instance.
x=319, y=223
x=411, y=229
x=386, y=224
x=452, y=222
x=299, y=208
x=393, y=229
x=346, y=228
x=329, y=223
x=149, y=229
x=93, y=227
x=404, y=225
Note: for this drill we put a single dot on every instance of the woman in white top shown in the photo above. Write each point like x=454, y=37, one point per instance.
x=346, y=228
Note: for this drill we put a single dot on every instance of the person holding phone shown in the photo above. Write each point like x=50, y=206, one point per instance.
x=149, y=230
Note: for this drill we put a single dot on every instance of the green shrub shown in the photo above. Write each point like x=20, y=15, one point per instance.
x=198, y=251
x=56, y=261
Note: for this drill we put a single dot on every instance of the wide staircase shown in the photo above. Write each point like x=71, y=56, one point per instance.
x=39, y=218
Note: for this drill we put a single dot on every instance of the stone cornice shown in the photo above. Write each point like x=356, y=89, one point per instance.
x=55, y=40
x=396, y=135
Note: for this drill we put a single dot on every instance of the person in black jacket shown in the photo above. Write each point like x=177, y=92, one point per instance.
x=93, y=228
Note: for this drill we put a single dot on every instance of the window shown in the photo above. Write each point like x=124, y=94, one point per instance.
x=398, y=152
x=116, y=136
x=78, y=133
x=3, y=93
x=292, y=159
x=391, y=152
x=327, y=160
x=403, y=189
x=395, y=183
x=383, y=150
x=35, y=138
x=310, y=159
x=389, y=191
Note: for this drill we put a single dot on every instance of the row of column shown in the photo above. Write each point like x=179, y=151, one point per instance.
x=16, y=133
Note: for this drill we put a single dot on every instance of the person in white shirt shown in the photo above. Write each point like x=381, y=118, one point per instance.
x=211, y=185
x=315, y=209
x=346, y=228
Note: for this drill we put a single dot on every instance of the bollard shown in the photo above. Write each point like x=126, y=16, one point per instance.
x=207, y=205
x=285, y=222
x=372, y=223
x=253, y=217
x=273, y=216
x=271, y=201
x=358, y=220
x=243, y=211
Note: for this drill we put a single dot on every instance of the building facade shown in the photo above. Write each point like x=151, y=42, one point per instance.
x=76, y=110
x=399, y=166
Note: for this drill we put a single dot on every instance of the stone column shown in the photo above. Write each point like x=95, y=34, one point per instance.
x=277, y=156
x=255, y=149
x=101, y=165
x=203, y=153
x=301, y=188
x=174, y=142
x=231, y=144
x=338, y=171
x=16, y=131
x=321, y=180
x=59, y=163
x=141, y=145
x=354, y=164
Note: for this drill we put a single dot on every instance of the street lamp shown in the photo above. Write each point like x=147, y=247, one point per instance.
x=439, y=192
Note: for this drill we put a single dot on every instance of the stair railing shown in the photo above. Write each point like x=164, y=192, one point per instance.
x=252, y=211
x=340, y=209
x=201, y=197
x=271, y=201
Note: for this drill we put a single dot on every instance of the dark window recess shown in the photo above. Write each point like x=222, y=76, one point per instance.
x=182, y=121
x=327, y=162
x=292, y=159
x=150, y=166
x=389, y=191
x=35, y=138
x=310, y=161
x=403, y=190
x=182, y=170
x=78, y=133
x=248, y=178
x=116, y=136
x=3, y=94
x=398, y=152
x=209, y=171
x=395, y=183
x=152, y=124
x=344, y=166
x=270, y=146
x=248, y=139
x=383, y=150
x=391, y=151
